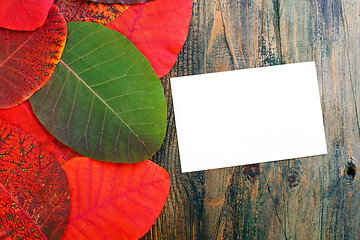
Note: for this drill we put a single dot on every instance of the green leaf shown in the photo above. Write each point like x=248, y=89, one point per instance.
x=104, y=99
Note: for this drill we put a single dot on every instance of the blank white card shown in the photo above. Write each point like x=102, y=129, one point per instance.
x=248, y=116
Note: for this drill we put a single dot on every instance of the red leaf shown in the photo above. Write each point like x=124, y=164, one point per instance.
x=27, y=59
x=112, y=200
x=23, y=15
x=122, y=1
x=23, y=117
x=34, y=195
x=158, y=29
x=85, y=11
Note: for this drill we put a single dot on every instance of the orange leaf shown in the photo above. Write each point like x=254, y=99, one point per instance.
x=24, y=118
x=158, y=29
x=85, y=11
x=27, y=59
x=34, y=195
x=112, y=200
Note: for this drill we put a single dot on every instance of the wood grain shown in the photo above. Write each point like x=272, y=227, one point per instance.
x=307, y=198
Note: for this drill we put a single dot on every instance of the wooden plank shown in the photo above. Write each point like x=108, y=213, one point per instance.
x=308, y=198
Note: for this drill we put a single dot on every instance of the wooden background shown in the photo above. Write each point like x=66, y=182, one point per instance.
x=307, y=198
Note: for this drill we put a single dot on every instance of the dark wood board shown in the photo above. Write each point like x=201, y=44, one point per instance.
x=307, y=198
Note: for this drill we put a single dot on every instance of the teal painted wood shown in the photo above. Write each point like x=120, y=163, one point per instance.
x=308, y=198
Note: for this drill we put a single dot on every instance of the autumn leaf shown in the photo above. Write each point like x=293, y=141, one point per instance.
x=114, y=201
x=24, y=118
x=27, y=59
x=85, y=11
x=23, y=15
x=122, y=1
x=104, y=99
x=158, y=29
x=34, y=195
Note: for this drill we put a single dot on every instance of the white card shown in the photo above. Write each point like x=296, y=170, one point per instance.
x=248, y=116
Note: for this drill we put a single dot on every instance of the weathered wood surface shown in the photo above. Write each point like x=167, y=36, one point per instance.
x=308, y=198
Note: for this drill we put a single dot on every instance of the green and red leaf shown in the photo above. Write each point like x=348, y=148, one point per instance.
x=24, y=118
x=23, y=15
x=27, y=59
x=85, y=11
x=34, y=194
x=114, y=201
x=158, y=29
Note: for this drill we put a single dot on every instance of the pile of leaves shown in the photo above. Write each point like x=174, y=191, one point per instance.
x=82, y=110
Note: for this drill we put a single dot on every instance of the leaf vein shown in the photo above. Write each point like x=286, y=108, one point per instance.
x=106, y=104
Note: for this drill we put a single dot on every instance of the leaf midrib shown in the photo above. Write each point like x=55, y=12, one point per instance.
x=106, y=104
x=16, y=50
x=136, y=20
x=22, y=209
